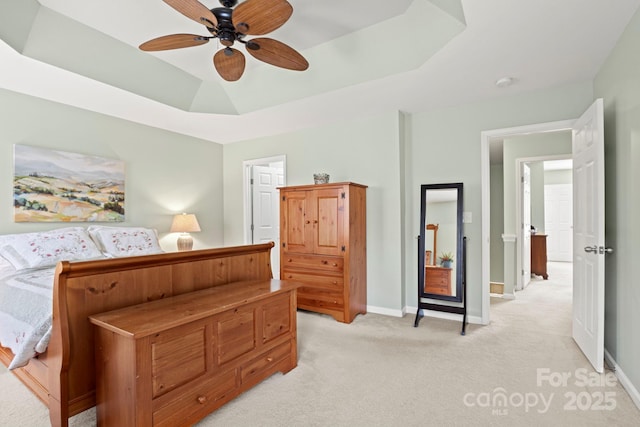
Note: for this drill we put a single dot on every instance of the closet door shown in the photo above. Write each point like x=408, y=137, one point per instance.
x=328, y=221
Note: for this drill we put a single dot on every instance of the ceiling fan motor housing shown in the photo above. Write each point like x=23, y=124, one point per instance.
x=225, y=31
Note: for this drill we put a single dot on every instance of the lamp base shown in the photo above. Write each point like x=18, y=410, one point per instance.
x=185, y=242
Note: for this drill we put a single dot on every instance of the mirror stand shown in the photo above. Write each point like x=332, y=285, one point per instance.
x=442, y=251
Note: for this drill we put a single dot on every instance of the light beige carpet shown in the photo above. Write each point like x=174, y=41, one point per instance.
x=381, y=371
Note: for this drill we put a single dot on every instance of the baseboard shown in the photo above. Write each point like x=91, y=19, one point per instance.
x=624, y=380
x=430, y=313
x=385, y=311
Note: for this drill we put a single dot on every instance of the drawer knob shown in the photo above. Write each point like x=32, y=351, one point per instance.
x=325, y=262
x=289, y=260
x=269, y=359
x=335, y=264
x=202, y=399
x=307, y=222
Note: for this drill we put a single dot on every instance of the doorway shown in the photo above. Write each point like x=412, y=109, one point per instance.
x=262, y=177
x=589, y=248
x=486, y=137
x=549, y=221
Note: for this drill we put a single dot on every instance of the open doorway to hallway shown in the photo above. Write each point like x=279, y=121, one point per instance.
x=262, y=177
x=505, y=152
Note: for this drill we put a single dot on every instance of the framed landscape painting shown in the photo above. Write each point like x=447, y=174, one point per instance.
x=58, y=186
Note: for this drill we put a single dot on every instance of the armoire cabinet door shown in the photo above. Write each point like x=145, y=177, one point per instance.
x=296, y=229
x=313, y=221
x=328, y=221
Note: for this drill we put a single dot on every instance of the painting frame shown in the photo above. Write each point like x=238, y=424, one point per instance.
x=60, y=186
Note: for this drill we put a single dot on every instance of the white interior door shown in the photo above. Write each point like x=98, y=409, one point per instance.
x=588, y=236
x=266, y=210
x=526, y=226
x=558, y=221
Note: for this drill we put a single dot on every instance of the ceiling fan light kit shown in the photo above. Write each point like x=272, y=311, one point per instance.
x=230, y=25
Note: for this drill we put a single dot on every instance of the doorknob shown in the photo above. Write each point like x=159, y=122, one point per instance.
x=592, y=249
x=604, y=250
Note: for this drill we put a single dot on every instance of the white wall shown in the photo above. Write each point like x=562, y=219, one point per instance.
x=166, y=173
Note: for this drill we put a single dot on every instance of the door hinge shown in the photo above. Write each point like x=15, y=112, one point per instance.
x=344, y=248
x=251, y=227
x=342, y=196
x=251, y=181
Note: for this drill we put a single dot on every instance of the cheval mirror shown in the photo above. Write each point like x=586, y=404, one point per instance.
x=441, y=251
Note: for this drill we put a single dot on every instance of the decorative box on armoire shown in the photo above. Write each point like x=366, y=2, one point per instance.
x=323, y=245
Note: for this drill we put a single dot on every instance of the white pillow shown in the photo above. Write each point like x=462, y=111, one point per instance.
x=45, y=249
x=125, y=241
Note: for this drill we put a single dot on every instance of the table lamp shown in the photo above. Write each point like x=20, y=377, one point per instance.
x=185, y=223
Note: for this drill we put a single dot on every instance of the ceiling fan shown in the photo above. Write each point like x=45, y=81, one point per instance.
x=251, y=17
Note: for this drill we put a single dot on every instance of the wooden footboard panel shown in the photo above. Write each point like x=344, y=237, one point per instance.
x=67, y=381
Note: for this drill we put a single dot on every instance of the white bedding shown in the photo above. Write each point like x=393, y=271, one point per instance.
x=25, y=312
x=26, y=294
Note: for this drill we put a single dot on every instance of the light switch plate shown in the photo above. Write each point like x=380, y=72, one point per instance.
x=466, y=217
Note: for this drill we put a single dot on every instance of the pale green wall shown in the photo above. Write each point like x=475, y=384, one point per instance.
x=445, y=147
x=496, y=272
x=166, y=173
x=537, y=194
x=364, y=151
x=618, y=83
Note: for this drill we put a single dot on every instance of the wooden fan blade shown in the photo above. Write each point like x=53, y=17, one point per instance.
x=229, y=63
x=257, y=17
x=195, y=10
x=276, y=53
x=173, y=41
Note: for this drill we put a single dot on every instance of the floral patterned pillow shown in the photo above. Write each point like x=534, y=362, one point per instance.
x=45, y=249
x=125, y=241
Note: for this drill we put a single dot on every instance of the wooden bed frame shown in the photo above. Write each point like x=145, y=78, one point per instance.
x=64, y=376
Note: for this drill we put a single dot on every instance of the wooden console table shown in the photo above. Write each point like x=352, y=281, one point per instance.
x=172, y=361
x=539, y=255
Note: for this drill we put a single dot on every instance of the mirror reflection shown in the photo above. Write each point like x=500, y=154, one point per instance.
x=440, y=236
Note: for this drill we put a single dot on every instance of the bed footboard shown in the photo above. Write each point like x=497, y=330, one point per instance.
x=90, y=287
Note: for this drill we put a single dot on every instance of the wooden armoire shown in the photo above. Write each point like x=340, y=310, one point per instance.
x=323, y=245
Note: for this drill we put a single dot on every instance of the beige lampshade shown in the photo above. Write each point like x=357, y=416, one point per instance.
x=184, y=223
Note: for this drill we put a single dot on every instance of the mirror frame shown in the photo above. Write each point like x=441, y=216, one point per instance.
x=458, y=297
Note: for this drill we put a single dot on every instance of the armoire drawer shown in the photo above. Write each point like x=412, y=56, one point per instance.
x=319, y=297
x=316, y=262
x=333, y=282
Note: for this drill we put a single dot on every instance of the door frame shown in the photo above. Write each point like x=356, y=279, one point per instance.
x=485, y=167
x=247, y=189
